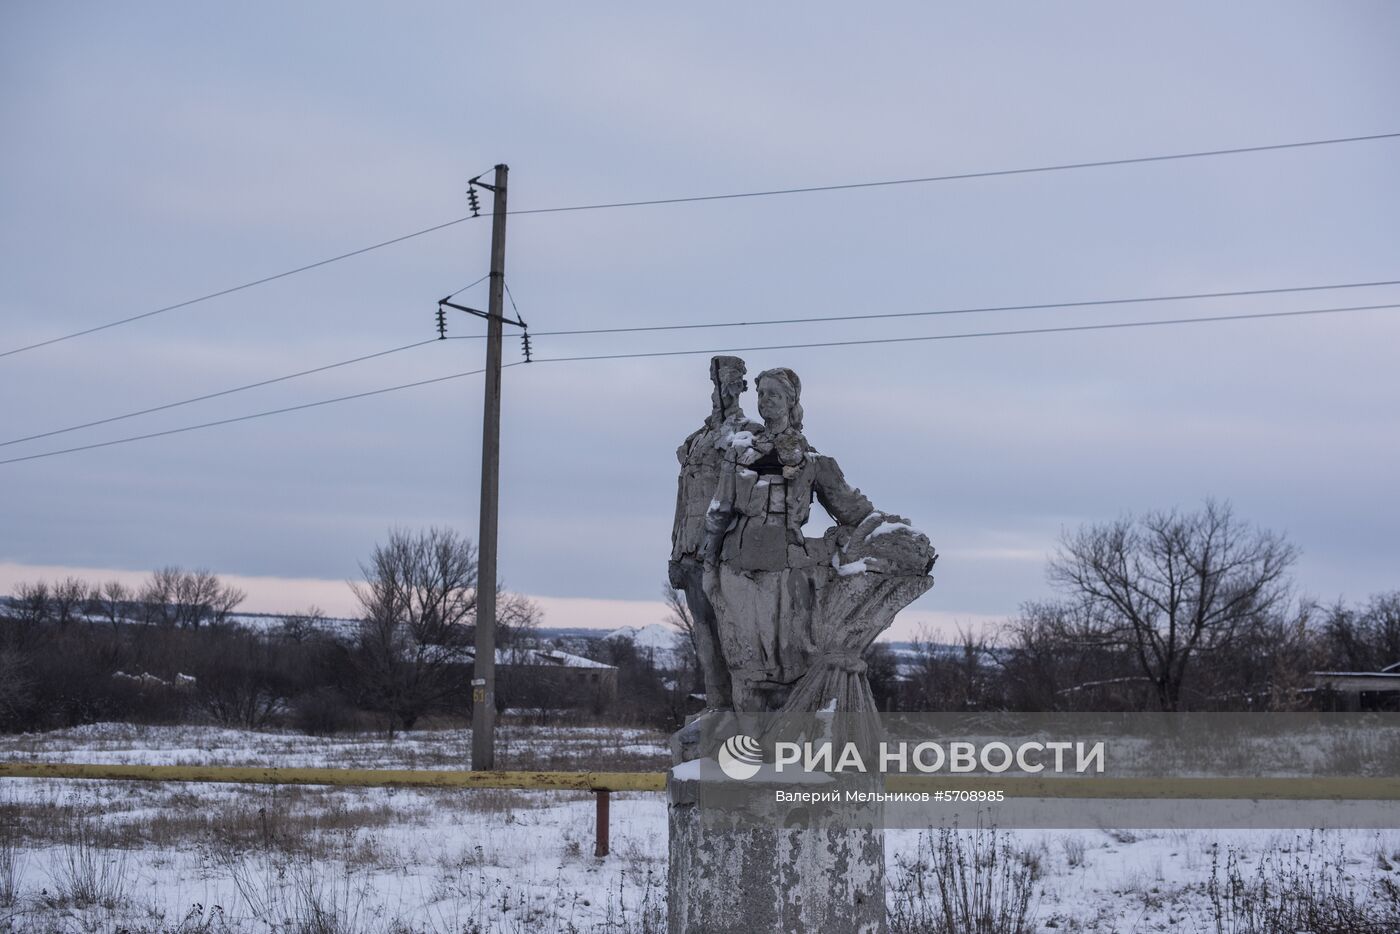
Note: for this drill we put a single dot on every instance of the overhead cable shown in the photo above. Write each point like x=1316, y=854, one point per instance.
x=215, y=395
x=959, y=176
x=959, y=311
x=236, y=288
x=846, y=186
x=244, y=418
x=678, y=353
x=950, y=337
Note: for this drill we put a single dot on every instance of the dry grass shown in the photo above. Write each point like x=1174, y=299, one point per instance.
x=301, y=859
x=291, y=819
x=12, y=865
x=86, y=873
x=1074, y=848
x=1303, y=886
x=964, y=882
x=319, y=859
x=303, y=894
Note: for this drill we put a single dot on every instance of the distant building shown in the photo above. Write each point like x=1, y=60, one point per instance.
x=1360, y=690
x=543, y=677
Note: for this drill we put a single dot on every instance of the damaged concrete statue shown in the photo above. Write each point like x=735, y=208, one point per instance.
x=786, y=620
x=795, y=614
x=701, y=455
x=782, y=620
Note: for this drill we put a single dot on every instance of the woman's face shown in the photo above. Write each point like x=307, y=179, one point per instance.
x=774, y=402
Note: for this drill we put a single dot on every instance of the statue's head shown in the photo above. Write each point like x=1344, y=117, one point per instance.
x=727, y=373
x=779, y=399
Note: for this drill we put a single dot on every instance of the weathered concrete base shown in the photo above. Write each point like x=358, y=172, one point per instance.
x=769, y=867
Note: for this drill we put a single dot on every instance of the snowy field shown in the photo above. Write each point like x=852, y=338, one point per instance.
x=128, y=856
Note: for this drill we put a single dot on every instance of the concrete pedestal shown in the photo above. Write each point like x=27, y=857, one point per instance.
x=742, y=863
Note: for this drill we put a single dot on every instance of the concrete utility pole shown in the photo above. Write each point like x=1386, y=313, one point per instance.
x=484, y=673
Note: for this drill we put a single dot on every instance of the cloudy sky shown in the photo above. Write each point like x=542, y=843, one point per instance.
x=158, y=152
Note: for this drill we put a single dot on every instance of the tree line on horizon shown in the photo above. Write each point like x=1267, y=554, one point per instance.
x=171, y=651
x=1173, y=610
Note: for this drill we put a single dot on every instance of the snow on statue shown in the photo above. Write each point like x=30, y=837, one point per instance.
x=701, y=455
x=789, y=616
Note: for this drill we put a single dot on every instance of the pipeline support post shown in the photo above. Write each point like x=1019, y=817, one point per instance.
x=600, y=845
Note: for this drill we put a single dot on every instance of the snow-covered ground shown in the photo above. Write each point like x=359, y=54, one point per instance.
x=106, y=856
x=565, y=748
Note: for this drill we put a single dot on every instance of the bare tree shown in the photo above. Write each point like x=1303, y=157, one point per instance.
x=1382, y=619
x=304, y=626
x=241, y=678
x=16, y=686
x=419, y=602
x=1169, y=585
x=678, y=613
x=157, y=597
x=517, y=620
x=202, y=599
x=690, y=679
x=961, y=676
x=1059, y=657
x=1269, y=664
x=1365, y=638
x=174, y=597
x=110, y=602
x=69, y=599
x=34, y=603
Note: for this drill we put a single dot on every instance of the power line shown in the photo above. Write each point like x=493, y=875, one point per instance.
x=244, y=418
x=215, y=395
x=960, y=311
x=720, y=324
x=1060, y=167
x=774, y=321
x=677, y=353
x=948, y=337
x=232, y=289
x=716, y=197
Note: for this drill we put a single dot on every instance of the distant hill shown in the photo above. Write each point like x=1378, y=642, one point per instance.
x=662, y=643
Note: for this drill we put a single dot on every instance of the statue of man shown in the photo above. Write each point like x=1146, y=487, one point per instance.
x=701, y=456
x=795, y=614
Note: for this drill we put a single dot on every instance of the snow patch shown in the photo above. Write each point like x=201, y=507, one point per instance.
x=661, y=642
x=885, y=528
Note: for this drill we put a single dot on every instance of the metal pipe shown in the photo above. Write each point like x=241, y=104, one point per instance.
x=564, y=781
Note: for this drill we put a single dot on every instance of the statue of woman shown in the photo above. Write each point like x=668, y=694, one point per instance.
x=783, y=604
